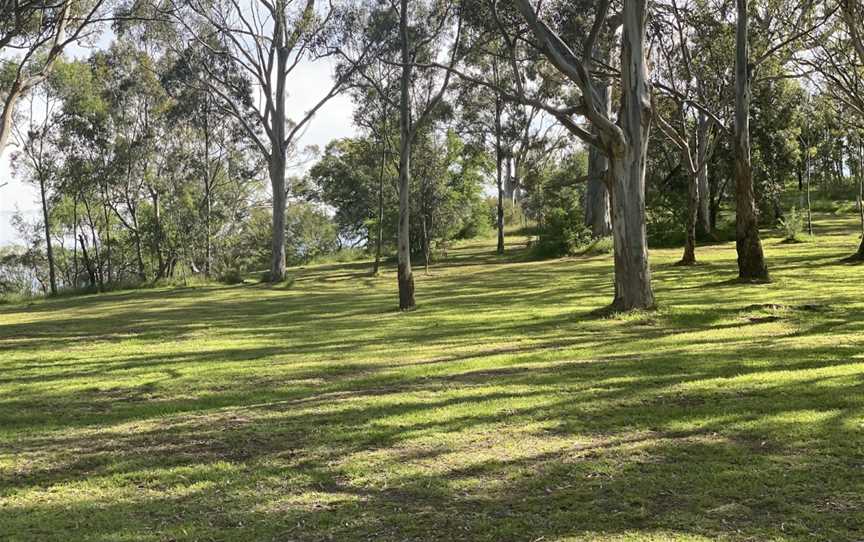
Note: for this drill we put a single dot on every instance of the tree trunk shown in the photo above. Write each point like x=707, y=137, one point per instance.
x=702, y=133
x=627, y=165
x=157, y=238
x=91, y=273
x=91, y=225
x=860, y=253
x=8, y=112
x=751, y=260
x=632, y=272
x=208, y=198
x=49, y=249
x=379, y=237
x=689, y=257
x=278, y=148
x=139, y=254
x=809, y=213
x=107, y=237
x=499, y=174
x=597, y=206
x=75, y=241
x=427, y=249
x=277, y=181
x=405, y=276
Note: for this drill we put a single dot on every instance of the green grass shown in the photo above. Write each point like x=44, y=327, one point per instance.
x=500, y=410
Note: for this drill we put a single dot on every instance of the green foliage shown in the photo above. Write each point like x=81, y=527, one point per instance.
x=231, y=276
x=555, y=203
x=598, y=247
x=792, y=225
x=564, y=230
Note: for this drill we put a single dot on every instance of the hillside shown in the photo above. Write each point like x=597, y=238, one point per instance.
x=502, y=409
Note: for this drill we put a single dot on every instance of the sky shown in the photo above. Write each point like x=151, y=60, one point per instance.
x=308, y=85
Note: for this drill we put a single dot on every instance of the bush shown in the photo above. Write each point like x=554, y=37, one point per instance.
x=563, y=233
x=599, y=246
x=792, y=225
x=664, y=226
x=231, y=276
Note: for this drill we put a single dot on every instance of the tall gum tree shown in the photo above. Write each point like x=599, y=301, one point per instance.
x=691, y=125
x=418, y=32
x=781, y=27
x=268, y=41
x=624, y=142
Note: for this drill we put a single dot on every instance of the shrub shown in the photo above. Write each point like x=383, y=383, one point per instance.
x=792, y=225
x=231, y=276
x=599, y=246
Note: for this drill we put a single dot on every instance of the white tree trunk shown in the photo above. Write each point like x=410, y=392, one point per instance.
x=627, y=167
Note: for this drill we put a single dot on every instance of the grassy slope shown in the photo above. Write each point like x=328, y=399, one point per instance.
x=500, y=410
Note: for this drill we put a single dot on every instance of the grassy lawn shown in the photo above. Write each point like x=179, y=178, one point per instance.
x=501, y=409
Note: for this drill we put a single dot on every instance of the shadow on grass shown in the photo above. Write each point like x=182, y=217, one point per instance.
x=499, y=411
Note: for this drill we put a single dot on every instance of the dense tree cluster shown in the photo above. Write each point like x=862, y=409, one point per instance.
x=175, y=150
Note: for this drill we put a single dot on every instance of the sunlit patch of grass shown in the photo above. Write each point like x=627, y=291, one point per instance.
x=504, y=408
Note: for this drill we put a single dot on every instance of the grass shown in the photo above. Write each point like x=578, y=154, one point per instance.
x=500, y=410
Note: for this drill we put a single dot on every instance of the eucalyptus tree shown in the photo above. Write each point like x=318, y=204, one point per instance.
x=624, y=141
x=517, y=134
x=422, y=39
x=780, y=28
x=375, y=93
x=269, y=41
x=36, y=160
x=85, y=138
x=33, y=36
x=421, y=91
x=482, y=117
x=693, y=121
x=836, y=55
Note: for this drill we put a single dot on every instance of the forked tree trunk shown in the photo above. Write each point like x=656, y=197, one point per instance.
x=627, y=167
x=751, y=259
x=626, y=145
x=88, y=265
x=405, y=277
